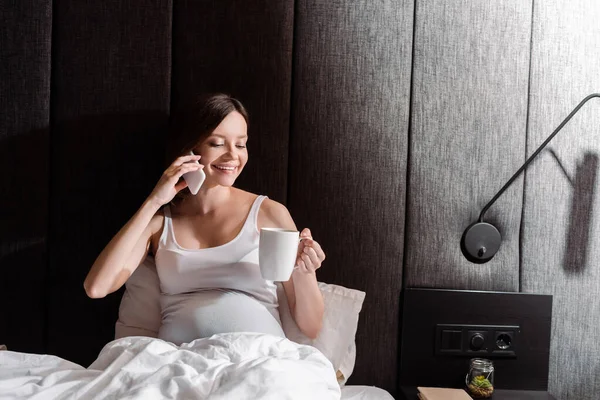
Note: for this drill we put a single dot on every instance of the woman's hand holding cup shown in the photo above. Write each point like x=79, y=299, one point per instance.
x=310, y=254
x=283, y=252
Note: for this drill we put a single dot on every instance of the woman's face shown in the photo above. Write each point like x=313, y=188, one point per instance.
x=224, y=152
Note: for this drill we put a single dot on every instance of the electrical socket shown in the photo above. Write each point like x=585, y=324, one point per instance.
x=476, y=340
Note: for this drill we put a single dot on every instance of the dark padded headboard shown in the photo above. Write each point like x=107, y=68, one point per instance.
x=88, y=91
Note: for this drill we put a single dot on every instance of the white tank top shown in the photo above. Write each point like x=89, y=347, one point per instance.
x=216, y=289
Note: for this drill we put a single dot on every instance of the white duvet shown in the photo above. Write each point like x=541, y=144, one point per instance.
x=226, y=366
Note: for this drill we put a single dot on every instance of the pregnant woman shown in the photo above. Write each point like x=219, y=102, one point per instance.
x=206, y=245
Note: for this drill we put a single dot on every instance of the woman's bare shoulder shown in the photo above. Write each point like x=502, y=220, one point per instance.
x=243, y=195
x=274, y=214
x=271, y=213
x=272, y=207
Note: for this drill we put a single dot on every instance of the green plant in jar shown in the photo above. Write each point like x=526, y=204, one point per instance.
x=481, y=387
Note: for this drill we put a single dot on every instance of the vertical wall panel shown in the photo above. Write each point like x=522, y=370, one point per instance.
x=561, y=220
x=110, y=97
x=25, y=31
x=468, y=137
x=348, y=158
x=243, y=48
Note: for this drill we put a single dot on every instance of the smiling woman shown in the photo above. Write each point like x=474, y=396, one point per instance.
x=206, y=245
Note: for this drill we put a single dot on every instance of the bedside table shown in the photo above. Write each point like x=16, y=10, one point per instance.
x=410, y=393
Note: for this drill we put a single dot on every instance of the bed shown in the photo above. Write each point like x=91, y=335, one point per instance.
x=240, y=365
x=228, y=366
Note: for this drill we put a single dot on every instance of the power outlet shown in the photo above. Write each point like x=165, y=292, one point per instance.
x=476, y=340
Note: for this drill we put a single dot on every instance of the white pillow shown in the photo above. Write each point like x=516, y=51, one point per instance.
x=340, y=321
x=139, y=312
x=345, y=369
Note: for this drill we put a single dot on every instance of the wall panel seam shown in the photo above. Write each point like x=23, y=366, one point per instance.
x=291, y=104
x=408, y=149
x=51, y=156
x=521, y=227
x=170, y=91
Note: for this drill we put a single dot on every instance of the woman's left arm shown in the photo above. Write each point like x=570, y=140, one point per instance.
x=302, y=291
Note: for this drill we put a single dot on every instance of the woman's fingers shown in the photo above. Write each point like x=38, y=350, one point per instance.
x=180, y=161
x=175, y=178
x=185, y=168
x=302, y=266
x=312, y=256
x=180, y=185
x=169, y=183
x=310, y=253
x=184, y=159
x=310, y=267
x=316, y=247
x=310, y=260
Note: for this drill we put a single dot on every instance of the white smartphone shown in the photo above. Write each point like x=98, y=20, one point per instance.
x=194, y=179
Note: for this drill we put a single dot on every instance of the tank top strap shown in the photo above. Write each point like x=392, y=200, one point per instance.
x=251, y=224
x=167, y=233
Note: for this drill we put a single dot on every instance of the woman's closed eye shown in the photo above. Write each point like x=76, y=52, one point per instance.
x=239, y=146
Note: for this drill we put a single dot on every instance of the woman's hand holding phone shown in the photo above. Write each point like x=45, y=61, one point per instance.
x=169, y=183
x=195, y=178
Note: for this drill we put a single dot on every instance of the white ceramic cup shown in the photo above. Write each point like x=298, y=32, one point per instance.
x=277, y=253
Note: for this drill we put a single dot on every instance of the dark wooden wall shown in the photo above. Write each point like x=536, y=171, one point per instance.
x=25, y=45
x=109, y=110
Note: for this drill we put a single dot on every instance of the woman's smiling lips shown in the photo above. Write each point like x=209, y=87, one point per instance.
x=227, y=169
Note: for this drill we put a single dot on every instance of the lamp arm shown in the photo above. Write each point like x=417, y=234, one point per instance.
x=512, y=179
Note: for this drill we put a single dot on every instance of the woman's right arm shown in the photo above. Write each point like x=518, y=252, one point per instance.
x=123, y=254
x=129, y=247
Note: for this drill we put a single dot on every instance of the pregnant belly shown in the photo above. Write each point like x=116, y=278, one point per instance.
x=202, y=314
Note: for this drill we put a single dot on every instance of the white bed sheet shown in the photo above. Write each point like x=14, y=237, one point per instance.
x=222, y=367
x=355, y=392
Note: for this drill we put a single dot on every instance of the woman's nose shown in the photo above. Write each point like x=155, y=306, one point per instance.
x=231, y=152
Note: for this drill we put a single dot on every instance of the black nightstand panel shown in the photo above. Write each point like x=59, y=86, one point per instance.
x=425, y=310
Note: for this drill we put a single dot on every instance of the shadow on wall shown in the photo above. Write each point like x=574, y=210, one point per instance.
x=23, y=234
x=582, y=212
x=102, y=168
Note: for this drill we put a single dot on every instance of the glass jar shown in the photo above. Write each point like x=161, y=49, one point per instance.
x=480, y=379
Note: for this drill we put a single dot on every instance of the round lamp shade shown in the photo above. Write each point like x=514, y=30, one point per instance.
x=480, y=242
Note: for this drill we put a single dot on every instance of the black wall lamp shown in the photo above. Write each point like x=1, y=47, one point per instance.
x=481, y=240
